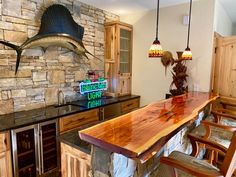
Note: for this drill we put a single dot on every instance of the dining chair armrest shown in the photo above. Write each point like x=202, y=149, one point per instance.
x=225, y=115
x=195, y=140
x=227, y=111
x=218, y=125
x=226, y=103
x=189, y=168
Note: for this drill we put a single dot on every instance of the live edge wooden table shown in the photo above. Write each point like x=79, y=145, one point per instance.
x=128, y=145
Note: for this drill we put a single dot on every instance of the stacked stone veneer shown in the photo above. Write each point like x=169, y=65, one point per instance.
x=41, y=74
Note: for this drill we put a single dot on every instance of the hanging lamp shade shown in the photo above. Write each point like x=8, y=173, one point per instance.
x=156, y=49
x=187, y=54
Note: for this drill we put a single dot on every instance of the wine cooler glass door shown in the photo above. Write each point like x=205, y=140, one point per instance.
x=49, y=146
x=24, y=146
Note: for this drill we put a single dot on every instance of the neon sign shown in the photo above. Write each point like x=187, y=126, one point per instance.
x=93, y=89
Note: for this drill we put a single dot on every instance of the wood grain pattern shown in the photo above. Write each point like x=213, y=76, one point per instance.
x=76, y=120
x=74, y=163
x=5, y=155
x=134, y=133
x=225, y=67
x=4, y=141
x=128, y=106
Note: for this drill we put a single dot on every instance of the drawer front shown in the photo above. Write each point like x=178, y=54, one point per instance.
x=130, y=105
x=76, y=120
x=4, y=141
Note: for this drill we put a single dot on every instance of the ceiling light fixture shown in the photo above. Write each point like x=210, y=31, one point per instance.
x=187, y=55
x=156, y=49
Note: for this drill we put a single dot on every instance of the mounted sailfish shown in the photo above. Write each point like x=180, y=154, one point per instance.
x=58, y=28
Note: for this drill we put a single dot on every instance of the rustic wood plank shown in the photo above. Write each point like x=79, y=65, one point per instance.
x=225, y=67
x=134, y=133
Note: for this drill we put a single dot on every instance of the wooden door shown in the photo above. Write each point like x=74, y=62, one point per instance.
x=224, y=78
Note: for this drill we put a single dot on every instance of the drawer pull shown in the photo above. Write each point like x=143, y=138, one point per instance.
x=128, y=105
x=82, y=118
x=5, y=141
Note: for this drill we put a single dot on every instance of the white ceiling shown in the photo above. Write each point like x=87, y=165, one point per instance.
x=230, y=8
x=123, y=7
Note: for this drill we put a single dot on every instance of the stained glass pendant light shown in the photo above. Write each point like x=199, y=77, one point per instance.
x=187, y=55
x=156, y=49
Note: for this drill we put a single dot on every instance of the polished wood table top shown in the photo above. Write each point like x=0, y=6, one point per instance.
x=135, y=133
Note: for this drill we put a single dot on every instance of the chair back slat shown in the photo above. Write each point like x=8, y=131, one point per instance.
x=229, y=163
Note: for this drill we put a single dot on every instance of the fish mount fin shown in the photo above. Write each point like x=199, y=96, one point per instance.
x=18, y=60
x=18, y=51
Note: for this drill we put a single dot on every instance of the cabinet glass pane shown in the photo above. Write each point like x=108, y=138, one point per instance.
x=125, y=51
x=49, y=147
x=26, y=153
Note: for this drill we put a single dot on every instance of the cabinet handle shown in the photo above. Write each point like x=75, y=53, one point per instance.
x=82, y=118
x=5, y=141
x=128, y=105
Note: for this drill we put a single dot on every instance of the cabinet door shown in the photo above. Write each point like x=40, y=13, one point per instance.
x=24, y=145
x=74, y=163
x=5, y=164
x=5, y=155
x=49, y=146
x=125, y=52
x=124, y=61
x=4, y=142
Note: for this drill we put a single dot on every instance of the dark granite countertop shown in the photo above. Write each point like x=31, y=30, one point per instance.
x=72, y=139
x=25, y=118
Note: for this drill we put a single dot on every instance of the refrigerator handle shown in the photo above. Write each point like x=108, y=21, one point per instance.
x=41, y=150
x=37, y=151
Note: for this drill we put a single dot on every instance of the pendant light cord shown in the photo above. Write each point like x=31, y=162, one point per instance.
x=190, y=12
x=157, y=19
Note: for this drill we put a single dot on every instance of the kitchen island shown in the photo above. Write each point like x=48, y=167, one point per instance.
x=130, y=144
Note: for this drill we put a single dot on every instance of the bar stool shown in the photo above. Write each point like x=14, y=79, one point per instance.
x=183, y=165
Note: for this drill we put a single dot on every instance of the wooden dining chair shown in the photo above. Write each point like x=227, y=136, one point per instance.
x=178, y=164
x=218, y=128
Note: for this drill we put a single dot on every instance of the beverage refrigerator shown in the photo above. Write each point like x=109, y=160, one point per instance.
x=35, y=149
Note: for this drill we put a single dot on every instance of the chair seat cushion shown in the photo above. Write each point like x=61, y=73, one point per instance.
x=186, y=160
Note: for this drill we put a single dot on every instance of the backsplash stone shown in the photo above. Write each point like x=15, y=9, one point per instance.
x=42, y=73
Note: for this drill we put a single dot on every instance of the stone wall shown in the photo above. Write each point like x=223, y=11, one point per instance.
x=41, y=74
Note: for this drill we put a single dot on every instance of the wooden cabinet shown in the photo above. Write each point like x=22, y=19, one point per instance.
x=74, y=162
x=76, y=120
x=5, y=155
x=130, y=105
x=118, y=57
